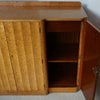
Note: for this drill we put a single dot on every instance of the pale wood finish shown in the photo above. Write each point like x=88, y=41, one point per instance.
x=1, y=85
x=44, y=53
x=21, y=53
x=23, y=92
x=3, y=73
x=69, y=89
x=6, y=57
x=29, y=54
x=37, y=54
x=13, y=54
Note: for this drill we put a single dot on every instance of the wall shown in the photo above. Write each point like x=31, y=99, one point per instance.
x=92, y=8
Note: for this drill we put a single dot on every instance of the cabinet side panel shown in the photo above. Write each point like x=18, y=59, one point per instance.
x=6, y=57
x=13, y=54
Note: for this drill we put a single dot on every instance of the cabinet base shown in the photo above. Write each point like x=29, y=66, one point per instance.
x=58, y=90
x=23, y=92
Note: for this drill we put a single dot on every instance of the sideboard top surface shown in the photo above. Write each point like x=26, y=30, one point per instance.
x=13, y=12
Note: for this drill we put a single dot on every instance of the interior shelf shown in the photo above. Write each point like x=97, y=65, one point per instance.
x=63, y=53
x=62, y=74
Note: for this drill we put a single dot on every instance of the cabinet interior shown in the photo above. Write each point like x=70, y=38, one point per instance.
x=62, y=39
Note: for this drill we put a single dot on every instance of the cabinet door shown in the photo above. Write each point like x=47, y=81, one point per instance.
x=22, y=70
x=90, y=66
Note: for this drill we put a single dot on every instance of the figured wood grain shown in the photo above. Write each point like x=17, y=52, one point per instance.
x=3, y=73
x=30, y=56
x=1, y=85
x=13, y=54
x=6, y=57
x=21, y=54
x=36, y=41
x=21, y=48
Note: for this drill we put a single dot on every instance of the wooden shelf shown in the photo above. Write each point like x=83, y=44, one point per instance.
x=63, y=53
x=62, y=74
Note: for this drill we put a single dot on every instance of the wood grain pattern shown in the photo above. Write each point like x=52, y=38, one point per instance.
x=13, y=54
x=1, y=85
x=3, y=73
x=6, y=57
x=43, y=5
x=44, y=54
x=29, y=54
x=21, y=52
x=36, y=41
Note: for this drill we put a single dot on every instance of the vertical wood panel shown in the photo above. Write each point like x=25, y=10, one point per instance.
x=1, y=85
x=21, y=67
x=21, y=54
x=44, y=54
x=5, y=53
x=29, y=55
x=37, y=54
x=3, y=73
x=13, y=54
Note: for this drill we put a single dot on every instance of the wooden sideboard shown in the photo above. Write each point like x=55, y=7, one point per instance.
x=47, y=47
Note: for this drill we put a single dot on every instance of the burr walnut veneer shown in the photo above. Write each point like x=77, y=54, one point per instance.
x=47, y=47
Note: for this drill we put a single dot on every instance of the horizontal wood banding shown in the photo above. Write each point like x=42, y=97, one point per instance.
x=23, y=92
x=69, y=89
x=43, y=5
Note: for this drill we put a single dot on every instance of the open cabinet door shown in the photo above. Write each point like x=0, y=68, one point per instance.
x=90, y=66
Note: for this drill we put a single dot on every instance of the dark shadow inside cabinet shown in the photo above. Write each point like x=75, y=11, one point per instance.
x=62, y=40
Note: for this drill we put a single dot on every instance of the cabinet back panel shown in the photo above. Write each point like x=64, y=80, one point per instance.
x=63, y=37
x=62, y=74
x=63, y=26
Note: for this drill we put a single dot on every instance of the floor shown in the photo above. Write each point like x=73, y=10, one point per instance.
x=54, y=96
x=97, y=96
